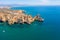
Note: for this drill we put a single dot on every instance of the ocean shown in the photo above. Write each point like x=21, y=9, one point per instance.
x=47, y=30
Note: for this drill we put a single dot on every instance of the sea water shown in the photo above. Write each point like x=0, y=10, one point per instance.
x=47, y=30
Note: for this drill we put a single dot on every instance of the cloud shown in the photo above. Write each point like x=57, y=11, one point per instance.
x=50, y=2
x=43, y=2
x=31, y=2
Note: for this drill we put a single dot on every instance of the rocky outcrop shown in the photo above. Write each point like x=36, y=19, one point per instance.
x=17, y=16
x=38, y=18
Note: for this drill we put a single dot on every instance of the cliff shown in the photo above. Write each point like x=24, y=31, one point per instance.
x=17, y=16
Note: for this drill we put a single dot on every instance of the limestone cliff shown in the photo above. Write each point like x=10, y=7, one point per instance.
x=17, y=16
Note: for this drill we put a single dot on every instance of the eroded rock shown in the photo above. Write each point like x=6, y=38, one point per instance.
x=17, y=16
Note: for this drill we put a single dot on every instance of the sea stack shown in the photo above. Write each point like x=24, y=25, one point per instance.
x=17, y=16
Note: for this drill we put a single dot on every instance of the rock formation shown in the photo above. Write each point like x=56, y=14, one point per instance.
x=17, y=16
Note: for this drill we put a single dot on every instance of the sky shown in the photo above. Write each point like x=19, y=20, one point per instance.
x=31, y=2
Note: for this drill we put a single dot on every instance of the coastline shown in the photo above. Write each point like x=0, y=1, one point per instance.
x=17, y=16
x=46, y=30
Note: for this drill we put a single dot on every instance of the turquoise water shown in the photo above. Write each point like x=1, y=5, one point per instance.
x=47, y=30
